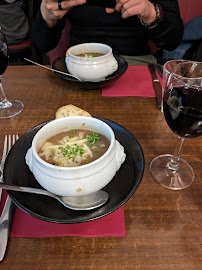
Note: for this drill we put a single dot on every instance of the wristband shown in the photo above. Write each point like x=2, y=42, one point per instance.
x=156, y=21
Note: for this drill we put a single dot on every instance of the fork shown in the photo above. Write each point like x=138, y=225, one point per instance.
x=2, y=161
x=5, y=219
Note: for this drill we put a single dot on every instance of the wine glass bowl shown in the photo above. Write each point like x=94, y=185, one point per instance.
x=8, y=108
x=3, y=57
x=167, y=67
x=182, y=106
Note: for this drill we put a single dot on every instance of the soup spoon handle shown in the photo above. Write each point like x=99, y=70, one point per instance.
x=58, y=71
x=86, y=202
x=26, y=189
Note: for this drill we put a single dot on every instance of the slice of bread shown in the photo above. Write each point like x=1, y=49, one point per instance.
x=67, y=51
x=70, y=110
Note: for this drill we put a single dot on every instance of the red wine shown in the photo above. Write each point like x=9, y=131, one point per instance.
x=3, y=58
x=183, y=111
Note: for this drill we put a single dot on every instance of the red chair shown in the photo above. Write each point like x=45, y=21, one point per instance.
x=190, y=9
x=17, y=51
x=25, y=44
x=62, y=46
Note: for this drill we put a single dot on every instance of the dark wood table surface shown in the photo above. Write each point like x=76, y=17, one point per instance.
x=163, y=227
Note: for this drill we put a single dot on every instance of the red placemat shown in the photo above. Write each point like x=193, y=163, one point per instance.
x=24, y=225
x=136, y=81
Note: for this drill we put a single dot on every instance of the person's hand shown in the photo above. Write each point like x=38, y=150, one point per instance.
x=144, y=9
x=51, y=12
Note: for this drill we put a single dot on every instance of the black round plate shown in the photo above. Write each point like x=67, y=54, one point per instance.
x=120, y=189
x=59, y=64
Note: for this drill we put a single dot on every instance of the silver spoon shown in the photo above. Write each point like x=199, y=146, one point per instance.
x=86, y=202
x=58, y=71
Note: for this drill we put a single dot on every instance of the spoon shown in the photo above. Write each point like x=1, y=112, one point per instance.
x=58, y=71
x=86, y=202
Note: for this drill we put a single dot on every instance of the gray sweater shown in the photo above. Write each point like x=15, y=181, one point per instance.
x=13, y=21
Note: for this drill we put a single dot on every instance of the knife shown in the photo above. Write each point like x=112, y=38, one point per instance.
x=159, y=69
x=5, y=222
x=156, y=85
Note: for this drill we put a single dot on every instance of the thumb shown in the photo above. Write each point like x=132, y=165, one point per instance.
x=110, y=10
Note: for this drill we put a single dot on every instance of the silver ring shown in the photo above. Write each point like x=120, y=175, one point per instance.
x=59, y=4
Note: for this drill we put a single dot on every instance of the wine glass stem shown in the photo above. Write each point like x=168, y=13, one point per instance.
x=4, y=103
x=174, y=162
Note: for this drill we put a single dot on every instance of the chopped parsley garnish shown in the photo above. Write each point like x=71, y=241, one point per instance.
x=83, y=124
x=73, y=131
x=87, y=161
x=71, y=152
x=93, y=138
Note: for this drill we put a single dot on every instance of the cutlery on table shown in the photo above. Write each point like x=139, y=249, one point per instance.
x=2, y=161
x=156, y=85
x=55, y=70
x=159, y=69
x=86, y=202
x=5, y=219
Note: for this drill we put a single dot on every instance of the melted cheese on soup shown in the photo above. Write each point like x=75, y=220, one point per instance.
x=74, y=148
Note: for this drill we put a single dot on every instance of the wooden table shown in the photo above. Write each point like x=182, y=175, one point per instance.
x=163, y=227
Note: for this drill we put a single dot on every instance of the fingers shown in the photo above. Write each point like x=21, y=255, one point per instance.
x=128, y=10
x=132, y=7
x=110, y=10
x=51, y=11
x=119, y=4
x=65, y=4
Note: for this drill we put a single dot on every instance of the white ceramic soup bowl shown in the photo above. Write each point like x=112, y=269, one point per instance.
x=91, y=69
x=81, y=180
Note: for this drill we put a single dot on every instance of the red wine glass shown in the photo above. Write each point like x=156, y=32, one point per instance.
x=8, y=108
x=182, y=107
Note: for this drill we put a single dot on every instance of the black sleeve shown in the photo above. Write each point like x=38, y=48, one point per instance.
x=169, y=32
x=46, y=38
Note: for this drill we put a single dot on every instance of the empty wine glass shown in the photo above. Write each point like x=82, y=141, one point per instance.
x=8, y=108
x=182, y=106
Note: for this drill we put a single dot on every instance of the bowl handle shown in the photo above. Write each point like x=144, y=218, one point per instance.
x=28, y=158
x=120, y=155
x=113, y=65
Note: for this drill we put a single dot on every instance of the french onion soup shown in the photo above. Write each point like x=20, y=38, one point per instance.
x=73, y=148
x=90, y=54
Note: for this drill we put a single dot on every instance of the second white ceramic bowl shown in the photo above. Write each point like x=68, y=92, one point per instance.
x=91, y=69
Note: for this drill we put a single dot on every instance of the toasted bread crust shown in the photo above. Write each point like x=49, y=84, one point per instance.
x=67, y=52
x=70, y=110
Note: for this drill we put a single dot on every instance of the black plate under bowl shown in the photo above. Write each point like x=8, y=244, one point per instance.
x=120, y=189
x=59, y=64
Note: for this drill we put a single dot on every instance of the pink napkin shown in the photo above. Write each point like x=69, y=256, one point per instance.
x=136, y=81
x=24, y=225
